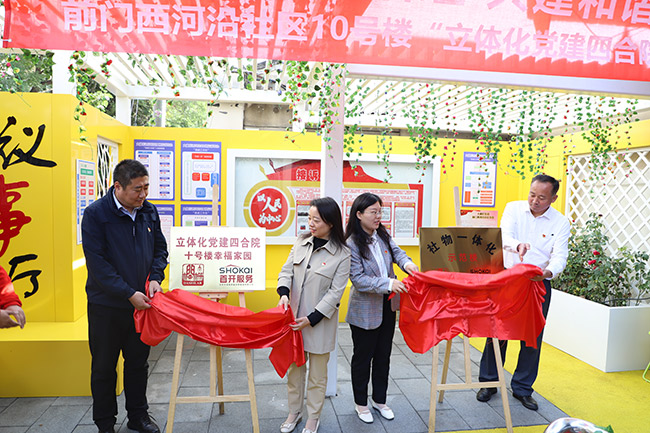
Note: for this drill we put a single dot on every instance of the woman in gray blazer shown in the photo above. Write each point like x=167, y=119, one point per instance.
x=312, y=281
x=370, y=314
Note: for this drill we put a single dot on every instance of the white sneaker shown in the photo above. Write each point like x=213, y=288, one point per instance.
x=365, y=416
x=385, y=411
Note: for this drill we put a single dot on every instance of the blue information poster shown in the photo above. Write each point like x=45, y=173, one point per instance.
x=158, y=157
x=479, y=180
x=166, y=212
x=200, y=169
x=193, y=215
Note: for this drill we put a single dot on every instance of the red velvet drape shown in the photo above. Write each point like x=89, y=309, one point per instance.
x=440, y=305
x=222, y=325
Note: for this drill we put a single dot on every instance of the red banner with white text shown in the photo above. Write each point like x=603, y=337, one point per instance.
x=583, y=38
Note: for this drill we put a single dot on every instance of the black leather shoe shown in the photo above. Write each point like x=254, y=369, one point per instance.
x=485, y=394
x=527, y=400
x=143, y=425
x=110, y=429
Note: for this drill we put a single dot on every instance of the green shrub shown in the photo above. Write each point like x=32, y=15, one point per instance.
x=594, y=274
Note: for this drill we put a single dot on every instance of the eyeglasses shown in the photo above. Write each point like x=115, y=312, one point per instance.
x=372, y=212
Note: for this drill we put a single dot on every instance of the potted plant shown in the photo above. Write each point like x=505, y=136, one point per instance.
x=597, y=311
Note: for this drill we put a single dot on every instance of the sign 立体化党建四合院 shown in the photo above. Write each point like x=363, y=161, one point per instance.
x=461, y=249
x=217, y=259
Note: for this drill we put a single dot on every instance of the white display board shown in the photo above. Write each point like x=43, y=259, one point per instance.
x=273, y=189
x=217, y=259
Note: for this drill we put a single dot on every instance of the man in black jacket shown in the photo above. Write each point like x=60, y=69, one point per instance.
x=124, y=248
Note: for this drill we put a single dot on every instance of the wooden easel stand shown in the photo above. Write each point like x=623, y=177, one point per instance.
x=216, y=377
x=443, y=385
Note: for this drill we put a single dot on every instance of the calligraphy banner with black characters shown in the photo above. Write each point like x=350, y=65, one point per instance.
x=475, y=250
x=596, y=39
x=27, y=167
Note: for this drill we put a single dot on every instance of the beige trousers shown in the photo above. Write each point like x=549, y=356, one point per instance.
x=316, y=386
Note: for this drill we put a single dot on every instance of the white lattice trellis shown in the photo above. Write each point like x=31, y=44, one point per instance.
x=622, y=197
x=106, y=162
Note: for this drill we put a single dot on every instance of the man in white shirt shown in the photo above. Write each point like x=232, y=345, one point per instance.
x=534, y=233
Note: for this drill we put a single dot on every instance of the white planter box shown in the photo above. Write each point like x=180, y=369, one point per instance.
x=608, y=338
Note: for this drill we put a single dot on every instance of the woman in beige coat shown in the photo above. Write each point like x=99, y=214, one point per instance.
x=312, y=281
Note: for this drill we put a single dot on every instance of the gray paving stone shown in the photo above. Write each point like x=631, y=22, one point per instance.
x=83, y=429
x=446, y=420
x=58, y=419
x=191, y=427
x=197, y=373
x=73, y=401
x=408, y=395
x=548, y=410
x=476, y=414
x=406, y=418
x=24, y=411
x=398, y=338
x=344, y=336
x=236, y=419
x=6, y=401
x=417, y=391
x=201, y=352
x=193, y=412
x=265, y=373
x=417, y=358
x=271, y=401
x=259, y=354
x=87, y=419
x=522, y=416
x=157, y=350
x=347, y=351
x=13, y=429
x=329, y=422
x=159, y=388
x=165, y=363
x=402, y=368
x=352, y=424
x=234, y=359
x=343, y=369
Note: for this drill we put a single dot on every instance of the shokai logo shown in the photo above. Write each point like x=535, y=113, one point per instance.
x=233, y=274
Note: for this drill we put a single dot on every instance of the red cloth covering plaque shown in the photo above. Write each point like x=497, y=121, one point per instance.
x=440, y=305
x=8, y=296
x=222, y=325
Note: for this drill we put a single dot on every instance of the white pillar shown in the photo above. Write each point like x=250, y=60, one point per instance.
x=123, y=109
x=61, y=74
x=160, y=106
x=331, y=185
x=331, y=164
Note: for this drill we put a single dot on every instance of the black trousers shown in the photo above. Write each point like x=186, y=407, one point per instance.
x=371, y=348
x=111, y=331
x=527, y=364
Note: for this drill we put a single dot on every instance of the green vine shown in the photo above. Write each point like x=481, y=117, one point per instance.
x=519, y=144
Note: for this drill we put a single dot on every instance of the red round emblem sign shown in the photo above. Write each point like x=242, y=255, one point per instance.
x=269, y=208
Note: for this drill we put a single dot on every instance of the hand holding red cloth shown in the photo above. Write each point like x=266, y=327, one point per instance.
x=440, y=305
x=222, y=325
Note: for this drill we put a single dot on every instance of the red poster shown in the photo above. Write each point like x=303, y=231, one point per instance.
x=596, y=39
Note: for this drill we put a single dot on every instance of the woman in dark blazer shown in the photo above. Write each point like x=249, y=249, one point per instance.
x=312, y=281
x=370, y=314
